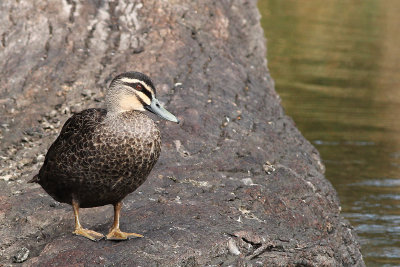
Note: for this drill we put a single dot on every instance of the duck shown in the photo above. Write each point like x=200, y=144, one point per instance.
x=103, y=154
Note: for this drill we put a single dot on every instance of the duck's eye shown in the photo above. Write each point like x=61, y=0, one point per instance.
x=139, y=87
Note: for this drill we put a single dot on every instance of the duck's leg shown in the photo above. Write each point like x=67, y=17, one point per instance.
x=115, y=233
x=79, y=230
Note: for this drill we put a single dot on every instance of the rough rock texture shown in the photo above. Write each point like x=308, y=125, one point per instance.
x=236, y=184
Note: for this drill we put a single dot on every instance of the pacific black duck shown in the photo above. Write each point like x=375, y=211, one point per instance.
x=102, y=155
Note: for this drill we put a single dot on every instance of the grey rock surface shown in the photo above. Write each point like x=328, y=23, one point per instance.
x=237, y=184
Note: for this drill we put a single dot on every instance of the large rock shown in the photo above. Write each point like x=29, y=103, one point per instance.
x=236, y=183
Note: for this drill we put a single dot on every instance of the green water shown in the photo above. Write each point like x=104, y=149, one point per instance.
x=336, y=65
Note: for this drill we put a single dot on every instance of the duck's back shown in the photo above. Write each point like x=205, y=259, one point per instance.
x=98, y=159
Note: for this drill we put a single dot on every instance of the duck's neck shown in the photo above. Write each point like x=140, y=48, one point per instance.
x=132, y=121
x=117, y=115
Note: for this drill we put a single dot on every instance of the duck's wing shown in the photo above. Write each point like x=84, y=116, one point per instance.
x=74, y=129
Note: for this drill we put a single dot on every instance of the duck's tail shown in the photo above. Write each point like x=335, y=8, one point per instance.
x=35, y=179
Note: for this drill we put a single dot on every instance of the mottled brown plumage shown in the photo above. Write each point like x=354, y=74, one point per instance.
x=102, y=155
x=98, y=160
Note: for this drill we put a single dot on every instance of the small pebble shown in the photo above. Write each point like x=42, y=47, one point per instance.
x=21, y=256
x=268, y=167
x=40, y=158
x=55, y=204
x=6, y=177
x=86, y=92
x=233, y=247
x=248, y=181
x=25, y=139
x=162, y=200
x=53, y=113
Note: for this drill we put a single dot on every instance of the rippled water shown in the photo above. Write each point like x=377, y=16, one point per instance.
x=336, y=65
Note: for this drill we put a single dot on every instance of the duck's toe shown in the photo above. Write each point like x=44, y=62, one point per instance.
x=92, y=235
x=117, y=234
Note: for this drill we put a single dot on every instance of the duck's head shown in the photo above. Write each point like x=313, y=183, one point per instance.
x=135, y=91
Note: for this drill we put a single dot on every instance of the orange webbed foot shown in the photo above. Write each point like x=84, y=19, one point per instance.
x=117, y=234
x=92, y=235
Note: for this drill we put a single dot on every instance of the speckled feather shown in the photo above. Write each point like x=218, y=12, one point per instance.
x=98, y=159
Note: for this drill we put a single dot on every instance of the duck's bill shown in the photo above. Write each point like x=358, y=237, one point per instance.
x=156, y=108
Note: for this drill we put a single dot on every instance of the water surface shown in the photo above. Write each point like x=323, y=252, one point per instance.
x=336, y=65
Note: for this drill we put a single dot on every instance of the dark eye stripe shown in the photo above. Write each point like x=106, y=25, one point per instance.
x=144, y=90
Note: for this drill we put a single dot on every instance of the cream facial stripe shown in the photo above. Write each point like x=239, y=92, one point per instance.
x=130, y=102
x=129, y=80
x=143, y=97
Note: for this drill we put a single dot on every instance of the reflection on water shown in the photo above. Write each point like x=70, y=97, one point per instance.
x=336, y=65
